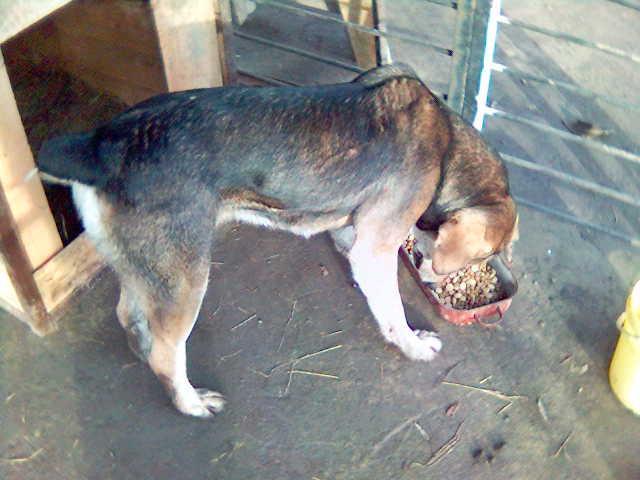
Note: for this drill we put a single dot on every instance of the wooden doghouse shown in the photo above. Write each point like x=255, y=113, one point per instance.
x=132, y=50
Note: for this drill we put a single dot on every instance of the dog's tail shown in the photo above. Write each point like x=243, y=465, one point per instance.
x=380, y=75
x=72, y=158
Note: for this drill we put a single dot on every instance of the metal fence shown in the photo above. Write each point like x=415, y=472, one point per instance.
x=476, y=76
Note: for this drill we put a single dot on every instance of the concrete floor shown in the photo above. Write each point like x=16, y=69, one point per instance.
x=78, y=405
x=84, y=408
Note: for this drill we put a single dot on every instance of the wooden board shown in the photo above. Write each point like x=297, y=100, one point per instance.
x=188, y=43
x=224, y=31
x=362, y=43
x=29, y=207
x=112, y=46
x=67, y=272
x=17, y=15
x=16, y=263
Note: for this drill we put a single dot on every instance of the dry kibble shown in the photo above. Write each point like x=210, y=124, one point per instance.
x=471, y=287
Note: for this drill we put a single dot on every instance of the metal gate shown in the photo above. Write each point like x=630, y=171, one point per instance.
x=553, y=85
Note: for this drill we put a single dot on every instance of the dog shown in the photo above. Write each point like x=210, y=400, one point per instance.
x=365, y=161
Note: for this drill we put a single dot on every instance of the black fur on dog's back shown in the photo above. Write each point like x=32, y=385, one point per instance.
x=309, y=149
x=317, y=148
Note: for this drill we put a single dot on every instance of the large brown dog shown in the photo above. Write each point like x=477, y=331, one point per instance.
x=364, y=160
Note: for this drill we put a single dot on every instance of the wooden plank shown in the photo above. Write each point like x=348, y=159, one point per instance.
x=117, y=23
x=188, y=43
x=28, y=205
x=70, y=270
x=17, y=15
x=112, y=46
x=224, y=29
x=362, y=43
x=83, y=56
x=16, y=262
x=126, y=91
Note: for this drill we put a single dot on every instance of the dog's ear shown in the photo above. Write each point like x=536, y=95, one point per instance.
x=473, y=234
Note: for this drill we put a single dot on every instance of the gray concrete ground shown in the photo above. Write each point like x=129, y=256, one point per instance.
x=81, y=403
x=78, y=405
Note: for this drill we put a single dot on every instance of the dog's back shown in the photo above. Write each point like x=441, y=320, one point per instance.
x=323, y=143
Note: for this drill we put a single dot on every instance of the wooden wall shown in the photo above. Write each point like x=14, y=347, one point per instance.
x=109, y=44
x=112, y=46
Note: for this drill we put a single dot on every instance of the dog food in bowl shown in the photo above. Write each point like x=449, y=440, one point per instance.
x=473, y=286
x=471, y=295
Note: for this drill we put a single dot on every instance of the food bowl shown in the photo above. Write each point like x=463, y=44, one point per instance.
x=482, y=314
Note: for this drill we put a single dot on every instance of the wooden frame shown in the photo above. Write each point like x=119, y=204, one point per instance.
x=37, y=275
x=363, y=44
x=360, y=12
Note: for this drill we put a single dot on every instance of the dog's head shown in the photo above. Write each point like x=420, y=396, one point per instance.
x=474, y=234
x=472, y=214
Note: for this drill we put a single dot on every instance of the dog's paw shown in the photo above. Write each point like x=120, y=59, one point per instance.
x=422, y=345
x=203, y=403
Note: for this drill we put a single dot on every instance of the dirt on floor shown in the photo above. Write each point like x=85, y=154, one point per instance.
x=313, y=391
x=527, y=399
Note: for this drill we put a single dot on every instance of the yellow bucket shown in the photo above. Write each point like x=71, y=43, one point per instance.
x=624, y=371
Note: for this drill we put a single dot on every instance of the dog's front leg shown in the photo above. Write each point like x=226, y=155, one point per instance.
x=375, y=269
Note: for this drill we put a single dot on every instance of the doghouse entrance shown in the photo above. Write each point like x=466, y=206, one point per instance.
x=76, y=69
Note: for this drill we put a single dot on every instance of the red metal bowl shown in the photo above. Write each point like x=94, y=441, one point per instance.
x=474, y=315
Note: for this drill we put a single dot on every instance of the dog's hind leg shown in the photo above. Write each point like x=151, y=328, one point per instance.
x=132, y=318
x=374, y=263
x=161, y=256
x=171, y=320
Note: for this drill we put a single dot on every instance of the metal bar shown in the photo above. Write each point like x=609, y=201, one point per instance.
x=289, y=83
x=626, y=3
x=354, y=26
x=446, y=3
x=633, y=241
x=603, y=147
x=299, y=51
x=573, y=180
x=267, y=79
x=571, y=38
x=485, y=74
x=520, y=75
